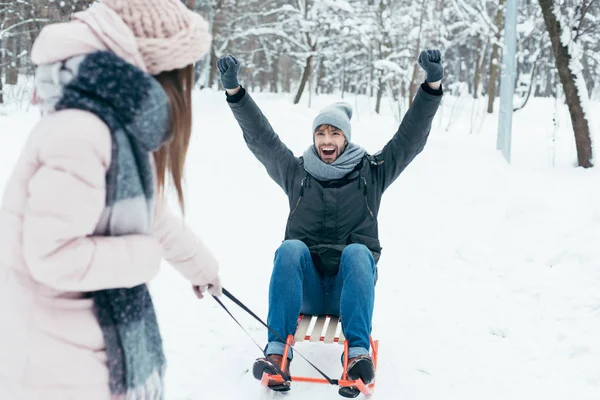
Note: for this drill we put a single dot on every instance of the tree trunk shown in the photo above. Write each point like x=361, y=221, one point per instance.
x=531, y=84
x=287, y=84
x=212, y=72
x=343, y=76
x=287, y=81
x=477, y=76
x=1, y=86
x=494, y=64
x=305, y=76
x=275, y=75
x=213, y=22
x=1, y=68
x=371, y=72
x=12, y=70
x=568, y=80
x=2, y=44
x=310, y=90
x=379, y=96
x=479, y=66
x=285, y=72
x=412, y=90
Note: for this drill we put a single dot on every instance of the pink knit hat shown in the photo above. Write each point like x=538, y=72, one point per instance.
x=168, y=35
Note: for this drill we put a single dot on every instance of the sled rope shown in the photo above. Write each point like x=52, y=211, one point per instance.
x=279, y=371
x=245, y=308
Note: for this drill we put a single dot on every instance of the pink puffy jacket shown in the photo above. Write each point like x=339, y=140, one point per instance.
x=51, y=346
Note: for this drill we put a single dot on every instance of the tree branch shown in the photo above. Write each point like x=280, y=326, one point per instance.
x=23, y=54
x=10, y=28
x=584, y=10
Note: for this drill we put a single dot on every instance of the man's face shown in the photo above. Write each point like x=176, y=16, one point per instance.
x=329, y=142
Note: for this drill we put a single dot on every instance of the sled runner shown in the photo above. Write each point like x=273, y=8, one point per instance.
x=324, y=329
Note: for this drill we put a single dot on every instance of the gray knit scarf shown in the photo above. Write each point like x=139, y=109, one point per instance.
x=336, y=170
x=135, y=108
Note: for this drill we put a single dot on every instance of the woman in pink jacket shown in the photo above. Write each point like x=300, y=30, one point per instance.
x=83, y=220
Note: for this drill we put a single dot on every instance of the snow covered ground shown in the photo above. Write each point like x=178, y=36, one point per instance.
x=489, y=279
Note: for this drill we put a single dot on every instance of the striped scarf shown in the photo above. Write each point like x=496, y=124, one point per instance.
x=135, y=108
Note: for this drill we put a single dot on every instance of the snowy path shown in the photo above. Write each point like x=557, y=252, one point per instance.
x=489, y=279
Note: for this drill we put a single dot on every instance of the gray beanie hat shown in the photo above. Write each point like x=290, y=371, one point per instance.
x=338, y=115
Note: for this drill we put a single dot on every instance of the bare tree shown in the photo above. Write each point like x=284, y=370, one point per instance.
x=567, y=53
x=20, y=23
x=413, y=82
x=494, y=61
x=357, y=46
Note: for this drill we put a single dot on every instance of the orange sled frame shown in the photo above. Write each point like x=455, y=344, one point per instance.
x=316, y=335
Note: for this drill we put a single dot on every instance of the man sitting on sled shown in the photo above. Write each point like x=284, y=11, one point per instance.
x=327, y=263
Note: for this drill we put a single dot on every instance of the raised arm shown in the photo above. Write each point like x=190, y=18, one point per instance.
x=414, y=130
x=259, y=135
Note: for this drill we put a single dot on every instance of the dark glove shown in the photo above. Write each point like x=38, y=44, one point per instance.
x=228, y=67
x=431, y=62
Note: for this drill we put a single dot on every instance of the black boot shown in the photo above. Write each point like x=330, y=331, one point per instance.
x=266, y=365
x=359, y=367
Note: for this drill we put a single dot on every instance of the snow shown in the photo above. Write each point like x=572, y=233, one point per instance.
x=489, y=275
x=335, y=5
x=526, y=28
x=388, y=66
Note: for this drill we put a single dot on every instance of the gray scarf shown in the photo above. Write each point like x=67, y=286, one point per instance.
x=336, y=170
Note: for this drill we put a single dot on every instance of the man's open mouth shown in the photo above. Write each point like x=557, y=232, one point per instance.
x=328, y=150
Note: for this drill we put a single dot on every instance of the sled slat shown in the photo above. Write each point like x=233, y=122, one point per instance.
x=342, y=338
x=302, y=328
x=331, y=328
x=315, y=336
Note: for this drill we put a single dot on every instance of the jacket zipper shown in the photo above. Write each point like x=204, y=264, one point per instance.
x=366, y=198
x=296, y=207
x=299, y=198
x=369, y=208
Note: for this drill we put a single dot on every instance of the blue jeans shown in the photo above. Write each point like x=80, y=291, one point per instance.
x=296, y=287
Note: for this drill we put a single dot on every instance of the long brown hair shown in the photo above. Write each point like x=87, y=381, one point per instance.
x=171, y=156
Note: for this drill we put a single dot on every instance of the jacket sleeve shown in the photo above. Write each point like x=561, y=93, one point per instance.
x=66, y=196
x=262, y=140
x=182, y=248
x=411, y=136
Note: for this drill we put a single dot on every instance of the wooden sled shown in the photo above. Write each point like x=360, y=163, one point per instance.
x=324, y=330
